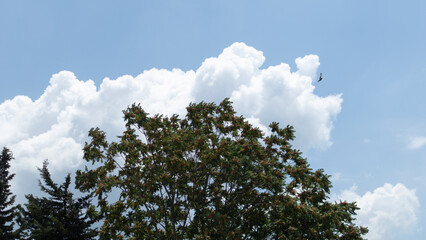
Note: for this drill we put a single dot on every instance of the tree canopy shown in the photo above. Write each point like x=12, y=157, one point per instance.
x=209, y=175
x=58, y=216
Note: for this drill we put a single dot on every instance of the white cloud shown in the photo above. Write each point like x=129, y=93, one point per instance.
x=386, y=211
x=416, y=142
x=272, y=94
x=55, y=125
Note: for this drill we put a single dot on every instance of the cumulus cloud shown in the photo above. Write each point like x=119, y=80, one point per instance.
x=386, y=211
x=416, y=142
x=55, y=125
x=272, y=94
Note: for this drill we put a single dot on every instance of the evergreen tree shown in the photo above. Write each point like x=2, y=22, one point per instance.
x=7, y=210
x=58, y=216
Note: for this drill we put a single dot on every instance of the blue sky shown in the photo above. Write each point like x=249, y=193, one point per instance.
x=373, y=52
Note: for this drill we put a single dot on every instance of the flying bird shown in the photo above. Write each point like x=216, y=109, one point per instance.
x=320, y=78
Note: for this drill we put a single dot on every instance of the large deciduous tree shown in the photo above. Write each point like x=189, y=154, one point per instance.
x=58, y=216
x=7, y=199
x=210, y=175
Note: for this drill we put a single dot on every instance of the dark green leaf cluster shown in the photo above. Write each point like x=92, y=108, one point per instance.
x=210, y=175
x=7, y=210
x=58, y=216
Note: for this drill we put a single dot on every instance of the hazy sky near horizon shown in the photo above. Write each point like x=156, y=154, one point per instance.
x=68, y=66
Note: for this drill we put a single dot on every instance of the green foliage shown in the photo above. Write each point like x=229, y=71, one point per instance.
x=7, y=210
x=210, y=175
x=58, y=216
